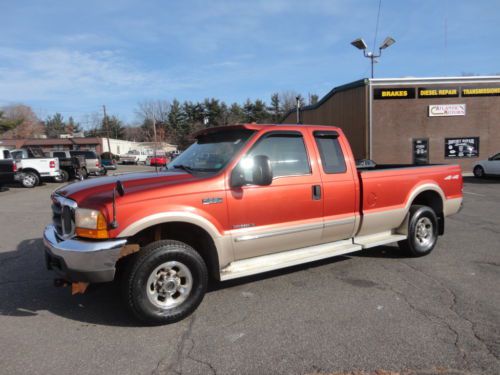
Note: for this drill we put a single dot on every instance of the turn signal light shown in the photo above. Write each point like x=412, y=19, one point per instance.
x=99, y=233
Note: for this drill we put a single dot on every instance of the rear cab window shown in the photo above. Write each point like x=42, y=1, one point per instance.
x=332, y=157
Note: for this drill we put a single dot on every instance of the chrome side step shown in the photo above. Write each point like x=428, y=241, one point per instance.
x=265, y=263
x=378, y=239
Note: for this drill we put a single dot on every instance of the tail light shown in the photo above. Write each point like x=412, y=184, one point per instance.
x=14, y=166
x=97, y=163
x=52, y=164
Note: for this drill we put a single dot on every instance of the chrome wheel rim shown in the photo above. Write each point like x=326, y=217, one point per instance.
x=169, y=284
x=424, y=232
x=29, y=180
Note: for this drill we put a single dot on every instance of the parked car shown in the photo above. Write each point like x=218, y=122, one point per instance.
x=109, y=164
x=487, y=167
x=8, y=168
x=92, y=161
x=33, y=166
x=134, y=157
x=71, y=167
x=158, y=161
x=241, y=200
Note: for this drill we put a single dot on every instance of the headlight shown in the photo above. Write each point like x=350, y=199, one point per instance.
x=90, y=223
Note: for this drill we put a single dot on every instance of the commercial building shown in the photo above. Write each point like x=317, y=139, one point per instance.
x=99, y=145
x=414, y=120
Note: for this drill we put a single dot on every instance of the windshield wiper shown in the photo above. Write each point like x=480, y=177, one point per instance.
x=184, y=168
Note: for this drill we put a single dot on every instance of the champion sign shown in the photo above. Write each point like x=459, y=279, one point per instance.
x=440, y=110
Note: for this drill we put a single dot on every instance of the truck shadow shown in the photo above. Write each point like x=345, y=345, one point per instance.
x=27, y=288
x=482, y=181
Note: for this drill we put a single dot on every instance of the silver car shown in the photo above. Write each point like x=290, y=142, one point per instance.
x=91, y=159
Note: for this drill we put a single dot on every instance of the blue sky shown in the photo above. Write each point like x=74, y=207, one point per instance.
x=72, y=57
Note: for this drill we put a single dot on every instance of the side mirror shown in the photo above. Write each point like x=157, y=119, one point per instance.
x=255, y=171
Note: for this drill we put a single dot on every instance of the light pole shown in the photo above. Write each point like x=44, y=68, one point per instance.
x=360, y=44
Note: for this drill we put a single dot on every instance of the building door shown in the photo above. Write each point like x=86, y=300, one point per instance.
x=420, y=151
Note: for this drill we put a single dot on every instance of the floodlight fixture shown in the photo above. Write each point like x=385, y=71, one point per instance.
x=359, y=44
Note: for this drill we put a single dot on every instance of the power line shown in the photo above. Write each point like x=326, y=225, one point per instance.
x=376, y=26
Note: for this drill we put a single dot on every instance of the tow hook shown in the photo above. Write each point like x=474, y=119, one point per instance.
x=76, y=288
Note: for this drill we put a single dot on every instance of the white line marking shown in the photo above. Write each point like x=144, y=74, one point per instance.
x=468, y=192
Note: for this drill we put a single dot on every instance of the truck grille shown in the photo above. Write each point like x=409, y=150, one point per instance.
x=63, y=216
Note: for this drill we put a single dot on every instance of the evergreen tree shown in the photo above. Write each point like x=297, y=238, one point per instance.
x=275, y=108
x=55, y=126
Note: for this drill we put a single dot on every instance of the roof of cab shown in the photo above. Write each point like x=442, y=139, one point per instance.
x=259, y=127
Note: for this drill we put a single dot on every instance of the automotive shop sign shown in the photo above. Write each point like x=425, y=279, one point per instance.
x=461, y=147
x=444, y=110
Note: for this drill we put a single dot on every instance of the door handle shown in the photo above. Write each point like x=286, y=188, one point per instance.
x=316, y=192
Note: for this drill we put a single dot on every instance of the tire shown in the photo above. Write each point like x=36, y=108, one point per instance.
x=103, y=172
x=63, y=177
x=173, y=267
x=84, y=173
x=478, y=171
x=422, y=231
x=30, y=180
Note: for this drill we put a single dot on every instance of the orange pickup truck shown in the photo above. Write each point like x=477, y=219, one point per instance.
x=241, y=200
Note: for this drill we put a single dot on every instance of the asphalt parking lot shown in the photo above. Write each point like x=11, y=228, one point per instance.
x=370, y=311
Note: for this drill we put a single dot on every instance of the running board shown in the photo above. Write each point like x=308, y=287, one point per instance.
x=265, y=263
x=378, y=239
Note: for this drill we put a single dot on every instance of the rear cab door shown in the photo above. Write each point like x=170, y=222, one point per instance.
x=341, y=193
x=288, y=214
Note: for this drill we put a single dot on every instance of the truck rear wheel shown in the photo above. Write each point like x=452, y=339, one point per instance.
x=165, y=282
x=422, y=231
x=30, y=180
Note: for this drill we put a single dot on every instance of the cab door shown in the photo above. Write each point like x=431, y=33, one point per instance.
x=340, y=188
x=288, y=213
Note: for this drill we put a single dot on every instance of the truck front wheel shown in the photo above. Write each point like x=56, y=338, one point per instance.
x=165, y=282
x=422, y=231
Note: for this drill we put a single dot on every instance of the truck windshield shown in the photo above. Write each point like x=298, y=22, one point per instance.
x=211, y=152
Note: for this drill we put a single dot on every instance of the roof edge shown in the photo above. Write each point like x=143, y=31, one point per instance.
x=347, y=86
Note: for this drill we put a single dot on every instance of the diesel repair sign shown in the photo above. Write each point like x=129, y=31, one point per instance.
x=394, y=93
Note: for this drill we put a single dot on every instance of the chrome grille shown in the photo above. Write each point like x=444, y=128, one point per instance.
x=63, y=216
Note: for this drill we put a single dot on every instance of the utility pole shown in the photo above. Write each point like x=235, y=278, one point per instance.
x=106, y=126
x=155, y=143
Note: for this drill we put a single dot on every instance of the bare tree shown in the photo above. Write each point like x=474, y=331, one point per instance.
x=29, y=126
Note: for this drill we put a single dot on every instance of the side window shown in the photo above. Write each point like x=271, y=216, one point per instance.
x=61, y=155
x=330, y=152
x=287, y=153
x=496, y=157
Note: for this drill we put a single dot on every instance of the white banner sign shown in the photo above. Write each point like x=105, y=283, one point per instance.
x=439, y=110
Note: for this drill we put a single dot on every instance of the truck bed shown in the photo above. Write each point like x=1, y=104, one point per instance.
x=388, y=190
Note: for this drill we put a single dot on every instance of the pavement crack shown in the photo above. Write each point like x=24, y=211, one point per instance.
x=175, y=365
x=190, y=356
x=452, y=308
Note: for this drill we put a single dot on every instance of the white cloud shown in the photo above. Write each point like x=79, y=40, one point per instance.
x=54, y=73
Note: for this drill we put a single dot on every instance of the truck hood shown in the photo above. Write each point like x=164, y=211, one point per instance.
x=95, y=192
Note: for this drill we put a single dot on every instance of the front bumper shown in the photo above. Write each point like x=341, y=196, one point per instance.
x=80, y=260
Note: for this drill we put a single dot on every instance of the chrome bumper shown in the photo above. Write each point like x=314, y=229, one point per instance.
x=79, y=260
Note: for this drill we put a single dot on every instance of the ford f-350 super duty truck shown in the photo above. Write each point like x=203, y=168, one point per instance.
x=241, y=200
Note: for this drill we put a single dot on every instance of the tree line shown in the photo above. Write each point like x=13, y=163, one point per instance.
x=174, y=121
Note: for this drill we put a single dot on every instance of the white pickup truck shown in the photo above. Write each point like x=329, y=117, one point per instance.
x=32, y=166
x=134, y=157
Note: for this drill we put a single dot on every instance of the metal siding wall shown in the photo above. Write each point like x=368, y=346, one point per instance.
x=346, y=109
